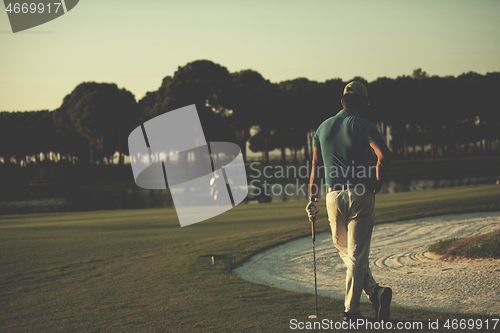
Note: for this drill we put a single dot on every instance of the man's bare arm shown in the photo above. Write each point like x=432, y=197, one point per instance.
x=315, y=179
x=383, y=161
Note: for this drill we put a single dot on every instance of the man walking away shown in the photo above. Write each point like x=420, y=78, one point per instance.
x=342, y=143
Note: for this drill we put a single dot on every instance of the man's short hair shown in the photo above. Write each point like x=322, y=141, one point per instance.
x=354, y=101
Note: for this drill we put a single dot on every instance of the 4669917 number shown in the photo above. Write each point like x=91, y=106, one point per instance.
x=470, y=324
x=32, y=8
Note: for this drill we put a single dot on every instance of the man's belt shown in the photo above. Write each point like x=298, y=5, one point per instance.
x=346, y=186
x=340, y=187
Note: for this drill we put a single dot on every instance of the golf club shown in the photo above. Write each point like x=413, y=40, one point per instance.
x=313, y=227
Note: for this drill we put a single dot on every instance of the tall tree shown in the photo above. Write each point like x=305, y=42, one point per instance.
x=253, y=101
x=99, y=112
x=204, y=84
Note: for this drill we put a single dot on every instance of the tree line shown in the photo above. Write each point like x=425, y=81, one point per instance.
x=422, y=116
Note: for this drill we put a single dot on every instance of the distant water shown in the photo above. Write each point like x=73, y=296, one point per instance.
x=141, y=198
x=277, y=191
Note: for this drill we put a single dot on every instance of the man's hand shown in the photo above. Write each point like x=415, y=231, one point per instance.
x=312, y=210
x=377, y=186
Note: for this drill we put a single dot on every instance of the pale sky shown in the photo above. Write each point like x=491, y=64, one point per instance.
x=135, y=44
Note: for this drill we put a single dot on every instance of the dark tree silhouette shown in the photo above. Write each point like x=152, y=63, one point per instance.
x=252, y=102
x=103, y=114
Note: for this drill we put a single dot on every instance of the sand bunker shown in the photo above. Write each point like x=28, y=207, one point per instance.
x=398, y=259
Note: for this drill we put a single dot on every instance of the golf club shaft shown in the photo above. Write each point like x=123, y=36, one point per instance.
x=313, y=226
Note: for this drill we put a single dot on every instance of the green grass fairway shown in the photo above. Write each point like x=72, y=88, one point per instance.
x=139, y=271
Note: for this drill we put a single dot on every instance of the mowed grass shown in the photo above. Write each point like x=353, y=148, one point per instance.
x=139, y=271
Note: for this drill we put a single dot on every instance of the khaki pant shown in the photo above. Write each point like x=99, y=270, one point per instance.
x=351, y=219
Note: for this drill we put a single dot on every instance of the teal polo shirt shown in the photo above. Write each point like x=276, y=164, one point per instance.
x=344, y=140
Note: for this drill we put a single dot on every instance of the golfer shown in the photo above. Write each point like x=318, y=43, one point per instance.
x=341, y=144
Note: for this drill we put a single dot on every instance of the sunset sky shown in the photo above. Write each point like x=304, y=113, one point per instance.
x=136, y=43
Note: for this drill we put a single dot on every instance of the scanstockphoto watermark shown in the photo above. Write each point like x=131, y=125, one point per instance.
x=359, y=324
x=269, y=179
x=451, y=324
